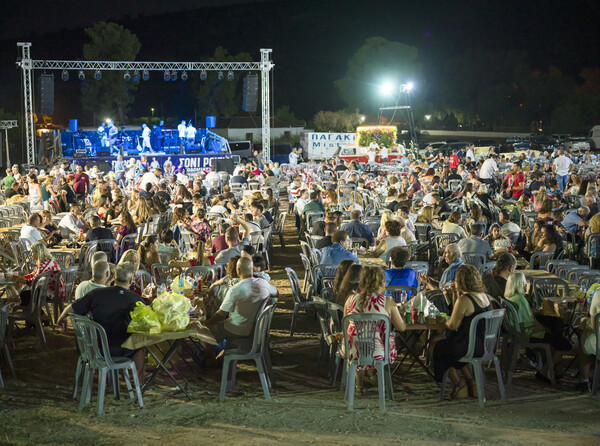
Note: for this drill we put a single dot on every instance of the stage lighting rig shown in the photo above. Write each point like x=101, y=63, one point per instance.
x=127, y=76
x=65, y=75
x=221, y=76
x=173, y=75
x=167, y=75
x=145, y=75
x=230, y=76
x=81, y=75
x=184, y=76
x=98, y=75
x=203, y=75
x=136, y=76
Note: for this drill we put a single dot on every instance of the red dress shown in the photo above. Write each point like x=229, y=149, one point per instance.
x=43, y=267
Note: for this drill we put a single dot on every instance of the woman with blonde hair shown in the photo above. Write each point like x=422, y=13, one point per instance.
x=386, y=215
x=538, y=199
x=133, y=257
x=452, y=225
x=331, y=200
x=44, y=262
x=426, y=215
x=142, y=212
x=469, y=299
x=515, y=293
x=371, y=299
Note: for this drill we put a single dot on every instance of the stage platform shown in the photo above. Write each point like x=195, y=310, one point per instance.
x=192, y=162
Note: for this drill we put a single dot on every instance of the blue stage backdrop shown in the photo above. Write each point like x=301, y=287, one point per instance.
x=192, y=163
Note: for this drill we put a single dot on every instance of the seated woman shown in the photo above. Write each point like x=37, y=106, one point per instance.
x=127, y=227
x=218, y=289
x=341, y=274
x=550, y=240
x=167, y=247
x=452, y=225
x=587, y=345
x=545, y=212
x=593, y=228
x=476, y=216
x=532, y=238
x=148, y=252
x=538, y=199
x=200, y=225
x=133, y=257
x=113, y=214
x=398, y=275
x=498, y=242
x=394, y=239
x=371, y=300
x=50, y=228
x=386, y=215
x=469, y=300
x=44, y=263
x=349, y=284
x=495, y=280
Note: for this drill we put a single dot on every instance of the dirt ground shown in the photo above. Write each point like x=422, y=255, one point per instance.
x=37, y=407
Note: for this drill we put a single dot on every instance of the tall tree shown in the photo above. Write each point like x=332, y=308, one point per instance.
x=377, y=61
x=336, y=121
x=112, y=95
x=220, y=97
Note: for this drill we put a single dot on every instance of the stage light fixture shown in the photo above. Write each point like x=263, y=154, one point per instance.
x=184, y=76
x=145, y=75
x=65, y=75
x=81, y=75
x=167, y=75
x=136, y=76
x=173, y=75
x=230, y=76
x=98, y=75
x=221, y=76
x=127, y=76
x=203, y=75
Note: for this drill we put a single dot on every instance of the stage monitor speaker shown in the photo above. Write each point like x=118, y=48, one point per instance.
x=222, y=164
x=46, y=94
x=211, y=122
x=103, y=152
x=73, y=125
x=250, y=93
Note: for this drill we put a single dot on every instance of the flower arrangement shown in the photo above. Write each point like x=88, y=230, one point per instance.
x=383, y=135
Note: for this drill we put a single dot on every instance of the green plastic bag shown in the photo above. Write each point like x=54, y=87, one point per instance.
x=143, y=320
x=173, y=311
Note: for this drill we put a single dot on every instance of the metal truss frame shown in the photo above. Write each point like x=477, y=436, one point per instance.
x=28, y=65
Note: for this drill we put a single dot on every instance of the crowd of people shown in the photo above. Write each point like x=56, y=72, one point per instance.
x=501, y=209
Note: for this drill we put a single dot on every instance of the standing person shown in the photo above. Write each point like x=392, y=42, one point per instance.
x=384, y=154
x=293, y=157
x=181, y=132
x=190, y=134
x=82, y=181
x=488, y=170
x=113, y=131
x=160, y=137
x=561, y=167
x=35, y=193
x=146, y=138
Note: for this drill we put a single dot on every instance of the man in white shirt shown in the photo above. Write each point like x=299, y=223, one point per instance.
x=241, y=304
x=384, y=154
x=190, y=134
x=150, y=177
x=561, y=167
x=471, y=153
x=401, y=150
x=100, y=274
x=293, y=157
x=371, y=154
x=30, y=232
x=213, y=177
x=373, y=146
x=72, y=223
x=488, y=170
x=146, y=138
x=181, y=132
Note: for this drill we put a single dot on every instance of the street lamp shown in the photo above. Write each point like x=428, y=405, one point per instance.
x=427, y=117
x=152, y=110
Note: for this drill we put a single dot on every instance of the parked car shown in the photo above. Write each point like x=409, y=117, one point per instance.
x=243, y=149
x=508, y=145
x=577, y=143
x=541, y=142
x=447, y=149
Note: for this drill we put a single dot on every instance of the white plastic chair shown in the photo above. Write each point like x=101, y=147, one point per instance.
x=258, y=352
x=366, y=332
x=96, y=355
x=492, y=321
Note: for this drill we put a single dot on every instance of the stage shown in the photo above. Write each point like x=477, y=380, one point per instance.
x=192, y=162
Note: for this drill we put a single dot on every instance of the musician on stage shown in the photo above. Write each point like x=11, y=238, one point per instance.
x=160, y=137
x=113, y=131
x=181, y=130
x=190, y=134
x=146, y=138
x=103, y=136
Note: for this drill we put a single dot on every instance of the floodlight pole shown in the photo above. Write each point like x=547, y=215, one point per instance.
x=27, y=66
x=5, y=125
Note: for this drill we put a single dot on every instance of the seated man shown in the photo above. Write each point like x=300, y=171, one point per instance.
x=30, y=232
x=330, y=229
x=338, y=250
x=97, y=232
x=452, y=256
x=111, y=307
x=71, y=224
x=232, y=238
x=235, y=318
x=474, y=243
x=356, y=228
x=509, y=229
x=100, y=275
x=398, y=275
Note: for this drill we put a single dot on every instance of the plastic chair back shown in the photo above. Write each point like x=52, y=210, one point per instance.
x=127, y=242
x=69, y=276
x=367, y=327
x=313, y=217
x=319, y=272
x=440, y=241
x=396, y=292
x=336, y=312
x=359, y=241
x=64, y=259
x=422, y=230
x=492, y=320
x=543, y=258
x=295, y=285
x=418, y=267
x=92, y=341
x=203, y=270
x=553, y=265
x=474, y=258
x=145, y=278
x=549, y=287
x=488, y=266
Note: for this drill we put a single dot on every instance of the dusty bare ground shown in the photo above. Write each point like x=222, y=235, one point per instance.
x=37, y=408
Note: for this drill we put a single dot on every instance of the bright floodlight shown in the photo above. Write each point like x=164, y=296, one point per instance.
x=409, y=86
x=427, y=117
x=387, y=88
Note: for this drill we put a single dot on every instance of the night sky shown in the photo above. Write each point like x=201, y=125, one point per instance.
x=311, y=41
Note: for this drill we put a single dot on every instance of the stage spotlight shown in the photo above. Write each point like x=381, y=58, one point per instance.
x=127, y=76
x=81, y=75
x=230, y=76
x=98, y=75
x=65, y=75
x=221, y=76
x=167, y=75
x=136, y=76
x=145, y=75
x=203, y=75
x=173, y=75
x=184, y=76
